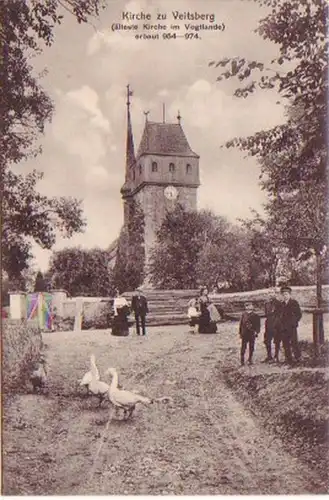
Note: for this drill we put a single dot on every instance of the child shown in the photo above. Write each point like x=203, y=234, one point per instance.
x=249, y=329
x=193, y=315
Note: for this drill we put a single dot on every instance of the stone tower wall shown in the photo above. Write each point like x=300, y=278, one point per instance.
x=142, y=170
x=156, y=205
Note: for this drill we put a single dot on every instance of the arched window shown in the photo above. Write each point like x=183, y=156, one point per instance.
x=154, y=166
x=140, y=169
x=188, y=168
x=171, y=167
x=134, y=174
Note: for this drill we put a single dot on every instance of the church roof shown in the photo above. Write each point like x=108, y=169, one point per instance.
x=166, y=139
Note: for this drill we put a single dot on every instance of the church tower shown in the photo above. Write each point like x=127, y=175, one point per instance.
x=164, y=173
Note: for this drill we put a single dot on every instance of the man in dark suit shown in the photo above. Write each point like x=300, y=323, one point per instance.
x=140, y=308
x=290, y=317
x=272, y=315
x=249, y=329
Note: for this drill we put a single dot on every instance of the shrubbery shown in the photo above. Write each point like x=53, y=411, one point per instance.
x=64, y=324
x=22, y=343
x=97, y=317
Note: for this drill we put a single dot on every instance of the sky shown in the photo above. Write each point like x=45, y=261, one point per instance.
x=89, y=67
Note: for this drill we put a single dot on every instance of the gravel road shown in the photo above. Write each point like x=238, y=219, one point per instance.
x=202, y=441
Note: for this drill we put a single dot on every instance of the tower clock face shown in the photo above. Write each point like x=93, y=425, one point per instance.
x=171, y=193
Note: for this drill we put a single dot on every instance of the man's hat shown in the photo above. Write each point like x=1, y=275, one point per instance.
x=285, y=289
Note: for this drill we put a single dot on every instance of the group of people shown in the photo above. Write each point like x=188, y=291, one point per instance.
x=281, y=321
x=121, y=309
x=203, y=314
x=282, y=316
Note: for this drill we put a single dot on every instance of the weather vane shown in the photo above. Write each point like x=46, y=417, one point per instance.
x=129, y=94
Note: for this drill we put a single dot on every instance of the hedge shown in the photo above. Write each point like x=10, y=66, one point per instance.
x=21, y=346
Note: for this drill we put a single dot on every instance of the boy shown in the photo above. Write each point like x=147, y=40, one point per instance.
x=249, y=329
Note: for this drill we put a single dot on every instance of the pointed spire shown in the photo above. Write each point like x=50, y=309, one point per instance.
x=146, y=113
x=130, y=150
x=179, y=117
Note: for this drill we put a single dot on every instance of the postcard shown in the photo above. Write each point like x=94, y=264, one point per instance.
x=164, y=247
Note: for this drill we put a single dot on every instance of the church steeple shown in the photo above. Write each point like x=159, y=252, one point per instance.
x=130, y=150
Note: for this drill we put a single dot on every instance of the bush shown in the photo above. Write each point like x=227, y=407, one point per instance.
x=97, y=316
x=22, y=344
x=64, y=324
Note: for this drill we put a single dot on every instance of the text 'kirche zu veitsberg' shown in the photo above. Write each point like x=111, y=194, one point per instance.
x=167, y=25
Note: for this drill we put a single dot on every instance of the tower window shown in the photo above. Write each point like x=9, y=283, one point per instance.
x=134, y=174
x=154, y=166
x=188, y=168
x=171, y=167
x=140, y=169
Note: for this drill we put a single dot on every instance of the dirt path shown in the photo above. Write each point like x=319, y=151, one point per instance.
x=203, y=442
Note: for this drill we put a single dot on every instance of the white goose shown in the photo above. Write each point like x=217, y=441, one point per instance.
x=87, y=378
x=96, y=386
x=124, y=399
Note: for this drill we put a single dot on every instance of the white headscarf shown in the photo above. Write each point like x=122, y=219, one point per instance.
x=118, y=303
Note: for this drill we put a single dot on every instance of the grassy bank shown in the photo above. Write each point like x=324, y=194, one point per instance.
x=292, y=405
x=21, y=343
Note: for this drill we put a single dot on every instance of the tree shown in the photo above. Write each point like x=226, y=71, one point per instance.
x=25, y=28
x=198, y=248
x=40, y=283
x=300, y=221
x=226, y=261
x=81, y=272
x=292, y=156
x=28, y=215
x=129, y=272
x=264, y=248
x=174, y=257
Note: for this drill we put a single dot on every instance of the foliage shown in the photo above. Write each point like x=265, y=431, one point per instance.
x=22, y=344
x=292, y=156
x=25, y=28
x=200, y=248
x=5, y=289
x=28, y=215
x=99, y=318
x=40, y=283
x=226, y=260
x=128, y=272
x=174, y=258
x=264, y=247
x=81, y=272
x=65, y=324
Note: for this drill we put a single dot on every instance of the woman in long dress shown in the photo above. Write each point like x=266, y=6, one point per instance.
x=206, y=322
x=120, y=324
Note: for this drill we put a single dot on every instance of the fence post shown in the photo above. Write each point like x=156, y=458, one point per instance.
x=318, y=330
x=78, y=315
x=18, y=306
